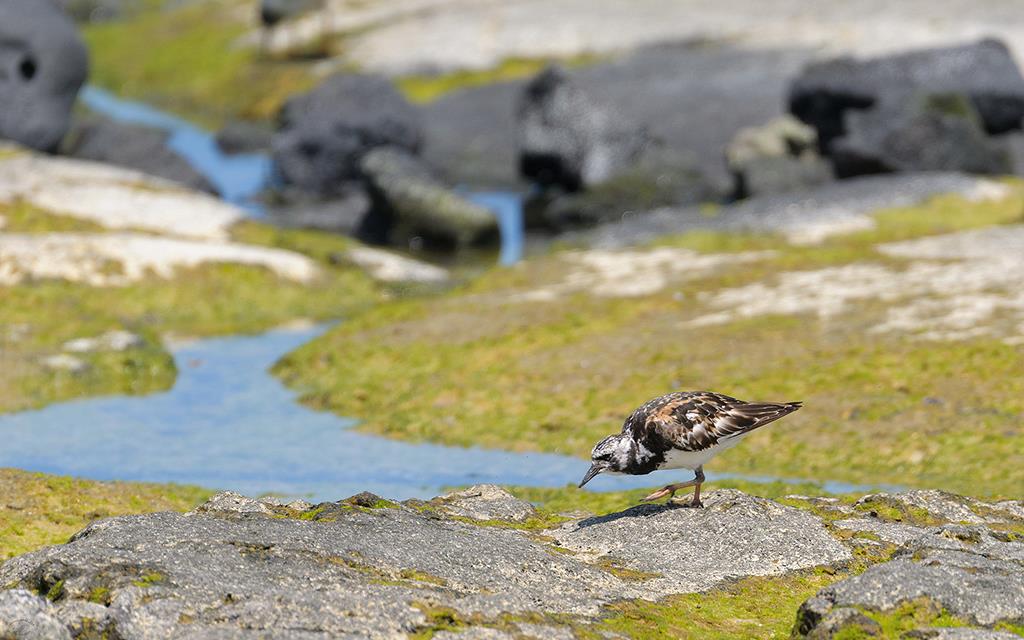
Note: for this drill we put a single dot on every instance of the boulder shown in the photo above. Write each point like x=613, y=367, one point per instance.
x=984, y=72
x=274, y=11
x=409, y=202
x=776, y=157
x=345, y=212
x=659, y=178
x=937, y=132
x=141, y=148
x=241, y=136
x=568, y=140
x=27, y=616
x=43, y=64
x=323, y=135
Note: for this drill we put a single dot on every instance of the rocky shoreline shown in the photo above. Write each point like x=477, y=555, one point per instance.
x=481, y=563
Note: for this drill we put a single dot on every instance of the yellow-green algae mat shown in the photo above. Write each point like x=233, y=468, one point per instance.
x=530, y=358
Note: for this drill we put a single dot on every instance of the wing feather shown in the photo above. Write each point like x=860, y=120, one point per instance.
x=694, y=421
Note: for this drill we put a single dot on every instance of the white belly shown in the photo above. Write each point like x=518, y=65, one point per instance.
x=676, y=459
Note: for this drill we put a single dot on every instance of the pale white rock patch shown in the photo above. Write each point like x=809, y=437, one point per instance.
x=623, y=274
x=114, y=197
x=116, y=340
x=116, y=259
x=64, y=362
x=391, y=267
x=958, y=286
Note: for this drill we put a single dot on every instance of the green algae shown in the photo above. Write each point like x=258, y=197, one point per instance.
x=749, y=608
x=484, y=366
x=42, y=509
x=188, y=60
x=429, y=87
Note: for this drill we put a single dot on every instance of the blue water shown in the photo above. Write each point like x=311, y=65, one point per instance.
x=239, y=178
x=228, y=424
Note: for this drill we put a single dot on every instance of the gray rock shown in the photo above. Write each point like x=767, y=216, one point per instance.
x=486, y=502
x=569, y=140
x=409, y=202
x=229, y=502
x=241, y=136
x=985, y=72
x=943, y=505
x=959, y=633
x=835, y=203
x=43, y=63
x=972, y=572
x=324, y=134
x=142, y=148
x=660, y=178
x=345, y=212
x=695, y=97
x=26, y=616
x=776, y=157
x=274, y=11
x=919, y=133
x=696, y=549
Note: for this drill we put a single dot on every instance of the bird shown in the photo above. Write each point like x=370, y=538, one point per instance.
x=681, y=430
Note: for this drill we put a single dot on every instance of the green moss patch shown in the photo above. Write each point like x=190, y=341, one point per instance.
x=750, y=608
x=37, y=318
x=40, y=509
x=483, y=366
x=188, y=60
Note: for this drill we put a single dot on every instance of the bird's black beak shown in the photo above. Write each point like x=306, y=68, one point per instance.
x=595, y=469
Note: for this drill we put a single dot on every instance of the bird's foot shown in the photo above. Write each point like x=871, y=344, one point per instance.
x=658, y=495
x=686, y=503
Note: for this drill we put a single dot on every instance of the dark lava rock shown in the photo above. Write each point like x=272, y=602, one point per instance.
x=569, y=140
x=141, y=148
x=984, y=72
x=324, y=134
x=240, y=136
x=920, y=133
x=691, y=98
x=43, y=64
x=409, y=202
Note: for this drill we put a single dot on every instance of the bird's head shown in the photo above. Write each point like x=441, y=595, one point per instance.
x=608, y=455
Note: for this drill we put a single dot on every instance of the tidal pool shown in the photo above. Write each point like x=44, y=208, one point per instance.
x=229, y=424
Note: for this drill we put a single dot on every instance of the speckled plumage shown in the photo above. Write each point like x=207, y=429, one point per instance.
x=681, y=430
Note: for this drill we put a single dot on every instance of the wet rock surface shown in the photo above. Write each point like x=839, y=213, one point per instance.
x=140, y=148
x=368, y=567
x=43, y=63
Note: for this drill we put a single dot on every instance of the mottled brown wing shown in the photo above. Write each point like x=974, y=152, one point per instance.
x=699, y=420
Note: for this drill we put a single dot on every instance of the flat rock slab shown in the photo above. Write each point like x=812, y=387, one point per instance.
x=806, y=217
x=971, y=571
x=689, y=550
x=238, y=567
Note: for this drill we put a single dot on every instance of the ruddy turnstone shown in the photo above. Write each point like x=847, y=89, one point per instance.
x=681, y=430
